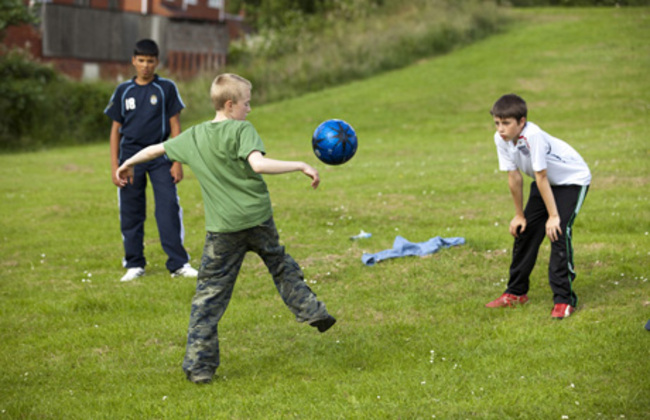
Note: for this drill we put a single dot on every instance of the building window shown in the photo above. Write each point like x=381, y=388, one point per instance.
x=215, y=4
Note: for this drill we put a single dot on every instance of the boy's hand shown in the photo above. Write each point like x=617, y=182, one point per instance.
x=116, y=180
x=177, y=172
x=553, y=229
x=517, y=225
x=313, y=174
x=124, y=175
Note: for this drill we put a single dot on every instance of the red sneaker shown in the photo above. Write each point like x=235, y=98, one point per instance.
x=562, y=310
x=507, y=300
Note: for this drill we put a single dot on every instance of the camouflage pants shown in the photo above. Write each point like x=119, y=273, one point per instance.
x=223, y=255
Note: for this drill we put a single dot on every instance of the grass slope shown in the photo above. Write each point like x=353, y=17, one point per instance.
x=413, y=339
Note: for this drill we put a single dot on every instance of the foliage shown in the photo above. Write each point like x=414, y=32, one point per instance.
x=277, y=14
x=39, y=107
x=70, y=111
x=23, y=86
x=308, y=54
x=413, y=339
x=14, y=13
x=575, y=3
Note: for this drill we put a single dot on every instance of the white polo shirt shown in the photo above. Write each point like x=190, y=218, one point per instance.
x=536, y=150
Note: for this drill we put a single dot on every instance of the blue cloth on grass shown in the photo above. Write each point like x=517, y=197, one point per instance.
x=404, y=248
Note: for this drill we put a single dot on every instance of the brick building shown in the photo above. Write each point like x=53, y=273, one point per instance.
x=90, y=39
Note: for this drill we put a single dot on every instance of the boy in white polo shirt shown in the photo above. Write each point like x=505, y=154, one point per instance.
x=561, y=182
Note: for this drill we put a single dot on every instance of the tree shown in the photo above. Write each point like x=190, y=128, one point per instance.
x=275, y=14
x=14, y=13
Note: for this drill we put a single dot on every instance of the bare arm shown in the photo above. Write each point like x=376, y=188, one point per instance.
x=175, y=126
x=516, y=185
x=553, y=230
x=177, y=168
x=262, y=165
x=115, y=151
x=124, y=173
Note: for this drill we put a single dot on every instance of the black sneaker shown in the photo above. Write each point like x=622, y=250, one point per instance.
x=199, y=377
x=323, y=324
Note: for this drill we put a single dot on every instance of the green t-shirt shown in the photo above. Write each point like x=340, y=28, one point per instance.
x=234, y=196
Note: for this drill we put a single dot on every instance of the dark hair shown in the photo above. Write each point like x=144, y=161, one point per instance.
x=510, y=106
x=146, y=47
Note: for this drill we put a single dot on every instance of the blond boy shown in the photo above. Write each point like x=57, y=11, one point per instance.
x=227, y=157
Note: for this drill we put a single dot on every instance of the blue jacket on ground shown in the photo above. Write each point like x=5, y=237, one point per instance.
x=404, y=248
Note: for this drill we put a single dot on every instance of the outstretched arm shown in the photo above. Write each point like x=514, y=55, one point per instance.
x=263, y=165
x=124, y=173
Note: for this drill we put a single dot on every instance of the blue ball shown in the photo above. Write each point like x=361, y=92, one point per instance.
x=334, y=142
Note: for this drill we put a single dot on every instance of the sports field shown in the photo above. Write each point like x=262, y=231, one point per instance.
x=413, y=339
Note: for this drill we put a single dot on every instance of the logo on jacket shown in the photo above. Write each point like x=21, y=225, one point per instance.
x=523, y=146
x=153, y=99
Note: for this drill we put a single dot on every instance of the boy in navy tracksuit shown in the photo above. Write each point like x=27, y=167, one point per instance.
x=146, y=110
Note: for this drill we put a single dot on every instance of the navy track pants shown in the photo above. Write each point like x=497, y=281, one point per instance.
x=168, y=213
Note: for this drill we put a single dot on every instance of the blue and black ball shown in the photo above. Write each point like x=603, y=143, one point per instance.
x=334, y=142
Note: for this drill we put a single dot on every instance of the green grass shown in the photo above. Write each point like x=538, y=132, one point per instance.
x=413, y=339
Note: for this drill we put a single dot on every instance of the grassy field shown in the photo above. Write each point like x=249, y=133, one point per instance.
x=413, y=339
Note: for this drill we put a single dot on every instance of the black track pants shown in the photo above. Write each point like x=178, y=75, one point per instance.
x=561, y=274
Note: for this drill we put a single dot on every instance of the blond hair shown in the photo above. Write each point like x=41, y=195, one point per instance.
x=228, y=87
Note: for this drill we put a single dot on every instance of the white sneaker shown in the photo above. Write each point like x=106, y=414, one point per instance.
x=133, y=273
x=185, y=271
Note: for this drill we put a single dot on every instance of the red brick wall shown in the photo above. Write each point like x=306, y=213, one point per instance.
x=104, y=4
x=133, y=5
x=25, y=37
x=187, y=64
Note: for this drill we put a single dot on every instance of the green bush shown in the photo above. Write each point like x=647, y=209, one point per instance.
x=22, y=91
x=39, y=107
x=78, y=109
x=575, y=3
x=350, y=44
